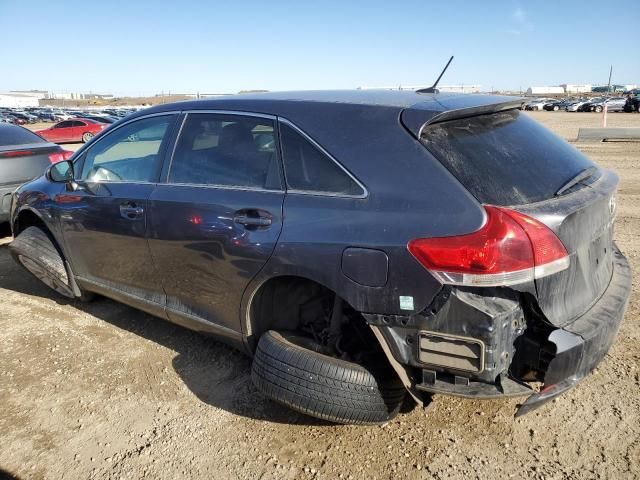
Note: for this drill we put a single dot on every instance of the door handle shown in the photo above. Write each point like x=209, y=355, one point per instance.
x=130, y=211
x=252, y=218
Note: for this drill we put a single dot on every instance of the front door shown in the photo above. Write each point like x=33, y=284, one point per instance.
x=217, y=219
x=60, y=132
x=104, y=219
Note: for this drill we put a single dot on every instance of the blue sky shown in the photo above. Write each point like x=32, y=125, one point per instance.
x=143, y=47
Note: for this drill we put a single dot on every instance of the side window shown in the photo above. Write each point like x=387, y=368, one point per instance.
x=64, y=124
x=307, y=168
x=128, y=154
x=77, y=123
x=226, y=150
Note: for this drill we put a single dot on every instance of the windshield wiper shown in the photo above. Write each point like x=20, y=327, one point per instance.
x=583, y=175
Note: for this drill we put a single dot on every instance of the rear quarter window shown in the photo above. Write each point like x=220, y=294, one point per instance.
x=504, y=158
x=308, y=169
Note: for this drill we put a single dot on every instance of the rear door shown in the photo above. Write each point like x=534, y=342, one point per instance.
x=104, y=219
x=216, y=220
x=509, y=159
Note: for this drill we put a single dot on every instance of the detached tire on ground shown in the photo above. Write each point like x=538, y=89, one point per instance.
x=322, y=386
x=36, y=253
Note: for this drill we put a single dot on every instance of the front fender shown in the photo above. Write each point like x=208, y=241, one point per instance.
x=37, y=198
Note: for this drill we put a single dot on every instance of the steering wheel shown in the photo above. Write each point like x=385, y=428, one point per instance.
x=99, y=174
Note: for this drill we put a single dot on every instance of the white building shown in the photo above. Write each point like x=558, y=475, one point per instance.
x=67, y=96
x=462, y=88
x=21, y=99
x=545, y=91
x=576, y=88
x=459, y=88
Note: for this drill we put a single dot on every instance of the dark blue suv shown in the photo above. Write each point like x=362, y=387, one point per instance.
x=359, y=245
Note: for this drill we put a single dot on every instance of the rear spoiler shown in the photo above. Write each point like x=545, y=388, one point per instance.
x=416, y=119
x=28, y=146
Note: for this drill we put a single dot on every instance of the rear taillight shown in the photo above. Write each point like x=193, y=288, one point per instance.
x=510, y=248
x=60, y=156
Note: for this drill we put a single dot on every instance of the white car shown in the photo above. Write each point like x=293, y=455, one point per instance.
x=538, y=104
x=575, y=106
x=59, y=116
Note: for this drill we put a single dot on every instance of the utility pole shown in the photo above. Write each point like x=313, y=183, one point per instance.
x=609, y=84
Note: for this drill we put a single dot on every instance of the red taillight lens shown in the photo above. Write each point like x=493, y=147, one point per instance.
x=548, y=251
x=510, y=248
x=60, y=156
x=16, y=153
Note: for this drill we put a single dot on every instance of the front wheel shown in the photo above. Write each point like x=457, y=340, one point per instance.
x=86, y=137
x=598, y=109
x=293, y=371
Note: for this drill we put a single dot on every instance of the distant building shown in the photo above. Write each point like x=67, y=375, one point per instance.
x=545, y=90
x=199, y=95
x=19, y=98
x=98, y=96
x=576, y=88
x=611, y=88
x=79, y=96
x=462, y=88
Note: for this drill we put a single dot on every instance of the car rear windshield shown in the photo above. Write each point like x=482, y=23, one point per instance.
x=14, y=135
x=504, y=158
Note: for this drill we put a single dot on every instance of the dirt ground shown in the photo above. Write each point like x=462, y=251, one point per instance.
x=103, y=391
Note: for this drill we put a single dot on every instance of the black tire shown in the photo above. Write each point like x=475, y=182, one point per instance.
x=323, y=386
x=598, y=109
x=35, y=252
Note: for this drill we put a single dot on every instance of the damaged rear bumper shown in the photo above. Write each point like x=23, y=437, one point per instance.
x=581, y=345
x=568, y=354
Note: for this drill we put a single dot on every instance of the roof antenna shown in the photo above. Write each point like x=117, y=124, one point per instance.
x=432, y=88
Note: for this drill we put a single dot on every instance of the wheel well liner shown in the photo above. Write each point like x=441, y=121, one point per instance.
x=27, y=218
x=275, y=304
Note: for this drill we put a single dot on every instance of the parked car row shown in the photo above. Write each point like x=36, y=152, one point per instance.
x=629, y=103
x=29, y=115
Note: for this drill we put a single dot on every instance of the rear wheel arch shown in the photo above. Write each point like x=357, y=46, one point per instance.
x=341, y=375
x=281, y=290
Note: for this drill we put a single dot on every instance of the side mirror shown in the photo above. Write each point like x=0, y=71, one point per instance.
x=61, y=172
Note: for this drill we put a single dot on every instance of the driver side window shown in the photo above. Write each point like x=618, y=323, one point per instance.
x=128, y=154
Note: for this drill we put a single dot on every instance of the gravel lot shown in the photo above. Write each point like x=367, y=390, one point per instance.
x=104, y=391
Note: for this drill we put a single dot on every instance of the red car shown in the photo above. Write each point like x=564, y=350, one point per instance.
x=73, y=130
